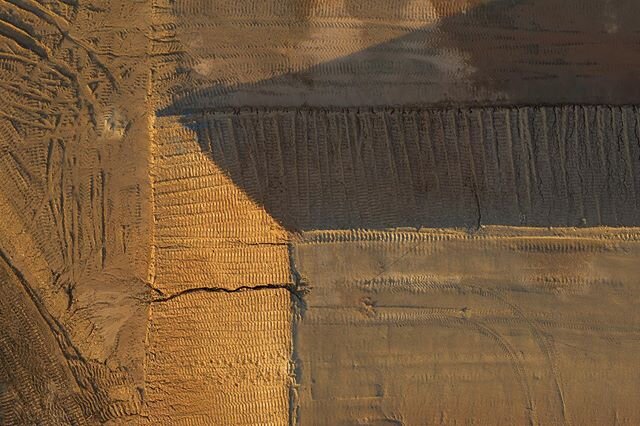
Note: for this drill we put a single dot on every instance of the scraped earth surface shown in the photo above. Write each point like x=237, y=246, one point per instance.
x=500, y=326
x=304, y=212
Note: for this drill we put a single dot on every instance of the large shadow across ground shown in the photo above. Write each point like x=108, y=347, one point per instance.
x=512, y=112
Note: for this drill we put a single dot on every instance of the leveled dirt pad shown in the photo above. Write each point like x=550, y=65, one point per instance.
x=220, y=358
x=501, y=326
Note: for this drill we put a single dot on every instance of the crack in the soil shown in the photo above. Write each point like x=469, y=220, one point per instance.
x=291, y=288
x=297, y=288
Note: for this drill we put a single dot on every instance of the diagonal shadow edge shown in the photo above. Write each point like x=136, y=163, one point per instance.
x=504, y=52
x=427, y=164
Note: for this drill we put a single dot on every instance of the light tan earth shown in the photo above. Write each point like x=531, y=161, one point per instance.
x=500, y=326
x=319, y=212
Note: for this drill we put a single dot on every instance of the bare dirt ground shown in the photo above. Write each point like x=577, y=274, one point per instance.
x=75, y=210
x=502, y=326
x=319, y=212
